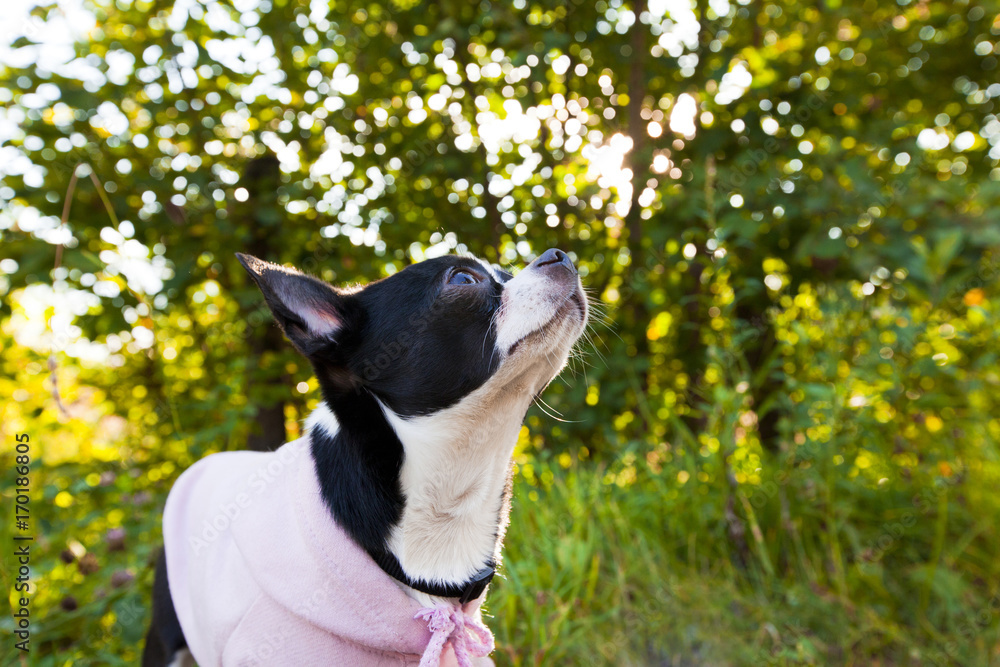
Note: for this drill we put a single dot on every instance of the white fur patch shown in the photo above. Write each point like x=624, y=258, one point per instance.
x=323, y=418
x=454, y=471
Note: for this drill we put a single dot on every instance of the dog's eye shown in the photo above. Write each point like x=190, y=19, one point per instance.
x=462, y=278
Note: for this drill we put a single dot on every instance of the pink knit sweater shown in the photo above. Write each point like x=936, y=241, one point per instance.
x=260, y=574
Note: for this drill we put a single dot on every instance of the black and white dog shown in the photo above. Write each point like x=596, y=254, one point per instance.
x=399, y=500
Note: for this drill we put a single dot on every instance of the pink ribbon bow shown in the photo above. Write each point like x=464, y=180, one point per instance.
x=468, y=636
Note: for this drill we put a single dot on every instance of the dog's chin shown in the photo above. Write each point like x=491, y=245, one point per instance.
x=560, y=332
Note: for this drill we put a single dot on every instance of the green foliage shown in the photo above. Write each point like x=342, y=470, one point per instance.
x=780, y=445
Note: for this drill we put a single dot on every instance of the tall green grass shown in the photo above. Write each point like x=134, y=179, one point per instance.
x=617, y=566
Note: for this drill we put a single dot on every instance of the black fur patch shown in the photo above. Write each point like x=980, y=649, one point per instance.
x=358, y=470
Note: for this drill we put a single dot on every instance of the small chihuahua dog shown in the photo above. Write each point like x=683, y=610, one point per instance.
x=372, y=539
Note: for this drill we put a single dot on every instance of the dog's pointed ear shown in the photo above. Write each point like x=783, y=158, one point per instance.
x=308, y=310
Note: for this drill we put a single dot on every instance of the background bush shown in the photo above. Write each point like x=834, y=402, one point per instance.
x=780, y=442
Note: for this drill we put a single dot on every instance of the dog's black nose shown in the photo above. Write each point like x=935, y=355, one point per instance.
x=555, y=256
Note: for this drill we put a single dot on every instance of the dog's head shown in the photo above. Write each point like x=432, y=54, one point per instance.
x=431, y=334
x=426, y=377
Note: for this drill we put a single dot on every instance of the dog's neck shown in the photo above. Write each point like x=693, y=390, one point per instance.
x=432, y=490
x=455, y=477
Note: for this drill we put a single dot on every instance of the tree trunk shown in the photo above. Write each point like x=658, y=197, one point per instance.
x=638, y=160
x=262, y=179
x=269, y=428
